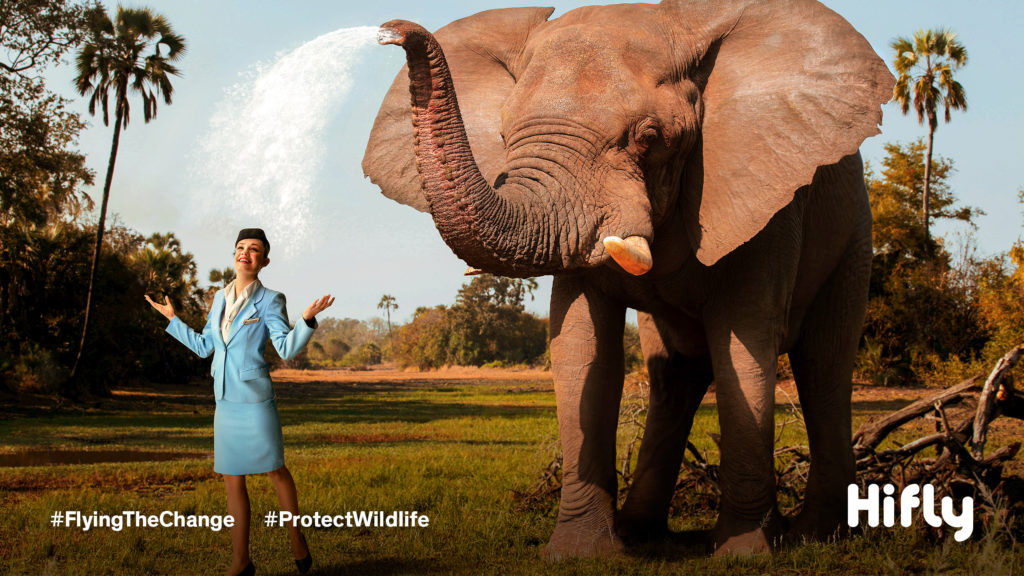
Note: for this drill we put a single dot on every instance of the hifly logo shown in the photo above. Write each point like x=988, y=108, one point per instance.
x=912, y=497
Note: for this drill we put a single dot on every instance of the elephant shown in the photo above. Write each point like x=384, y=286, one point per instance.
x=694, y=160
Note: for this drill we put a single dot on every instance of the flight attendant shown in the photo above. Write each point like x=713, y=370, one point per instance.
x=246, y=429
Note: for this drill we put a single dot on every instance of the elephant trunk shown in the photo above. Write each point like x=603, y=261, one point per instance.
x=531, y=227
x=511, y=233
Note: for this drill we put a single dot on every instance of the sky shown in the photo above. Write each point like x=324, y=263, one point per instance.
x=199, y=168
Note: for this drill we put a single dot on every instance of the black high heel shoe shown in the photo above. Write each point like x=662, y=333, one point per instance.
x=304, y=564
x=249, y=570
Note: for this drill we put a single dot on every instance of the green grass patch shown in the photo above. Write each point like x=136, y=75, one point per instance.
x=456, y=452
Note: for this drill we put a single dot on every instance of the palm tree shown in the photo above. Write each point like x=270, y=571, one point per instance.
x=388, y=303
x=134, y=53
x=925, y=67
x=224, y=277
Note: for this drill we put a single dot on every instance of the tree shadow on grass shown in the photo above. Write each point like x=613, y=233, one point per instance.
x=371, y=411
x=195, y=431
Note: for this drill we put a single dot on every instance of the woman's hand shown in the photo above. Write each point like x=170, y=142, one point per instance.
x=317, y=307
x=166, y=308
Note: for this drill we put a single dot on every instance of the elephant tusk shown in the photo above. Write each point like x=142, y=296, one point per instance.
x=633, y=253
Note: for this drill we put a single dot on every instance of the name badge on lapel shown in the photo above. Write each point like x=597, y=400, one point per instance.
x=251, y=321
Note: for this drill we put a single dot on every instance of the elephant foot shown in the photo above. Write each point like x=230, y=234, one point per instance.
x=732, y=537
x=582, y=540
x=815, y=524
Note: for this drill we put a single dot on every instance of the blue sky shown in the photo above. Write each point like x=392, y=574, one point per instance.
x=339, y=235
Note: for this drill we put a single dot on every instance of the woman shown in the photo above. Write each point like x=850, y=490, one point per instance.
x=246, y=429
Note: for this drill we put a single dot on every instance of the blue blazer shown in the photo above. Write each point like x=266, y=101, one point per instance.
x=240, y=374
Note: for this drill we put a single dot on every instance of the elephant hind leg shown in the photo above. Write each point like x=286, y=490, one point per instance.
x=678, y=384
x=822, y=363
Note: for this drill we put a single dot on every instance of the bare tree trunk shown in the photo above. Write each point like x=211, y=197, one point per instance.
x=99, y=237
x=928, y=182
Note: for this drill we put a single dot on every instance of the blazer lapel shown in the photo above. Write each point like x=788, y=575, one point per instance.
x=217, y=310
x=247, y=312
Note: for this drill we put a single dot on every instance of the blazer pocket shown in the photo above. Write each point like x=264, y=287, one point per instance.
x=253, y=374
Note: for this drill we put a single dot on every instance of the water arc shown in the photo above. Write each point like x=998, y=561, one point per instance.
x=259, y=160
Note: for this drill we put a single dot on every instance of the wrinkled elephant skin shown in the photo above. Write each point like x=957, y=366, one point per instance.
x=696, y=161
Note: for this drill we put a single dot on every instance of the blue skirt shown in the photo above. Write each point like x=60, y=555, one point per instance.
x=247, y=438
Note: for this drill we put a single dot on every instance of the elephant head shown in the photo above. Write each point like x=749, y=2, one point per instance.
x=574, y=141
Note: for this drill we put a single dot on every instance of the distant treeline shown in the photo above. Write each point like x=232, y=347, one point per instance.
x=487, y=325
x=937, y=312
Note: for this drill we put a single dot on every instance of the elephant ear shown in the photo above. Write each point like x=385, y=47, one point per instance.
x=483, y=52
x=789, y=86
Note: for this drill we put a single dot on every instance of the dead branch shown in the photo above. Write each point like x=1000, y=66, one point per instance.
x=987, y=404
x=960, y=439
x=959, y=465
x=870, y=435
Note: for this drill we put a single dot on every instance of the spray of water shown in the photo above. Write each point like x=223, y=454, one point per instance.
x=259, y=161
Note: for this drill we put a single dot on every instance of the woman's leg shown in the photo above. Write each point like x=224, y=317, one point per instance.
x=238, y=507
x=287, y=497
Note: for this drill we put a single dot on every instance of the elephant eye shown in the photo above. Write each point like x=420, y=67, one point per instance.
x=646, y=134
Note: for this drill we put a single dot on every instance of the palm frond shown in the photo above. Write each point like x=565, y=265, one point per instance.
x=925, y=67
x=957, y=53
x=131, y=53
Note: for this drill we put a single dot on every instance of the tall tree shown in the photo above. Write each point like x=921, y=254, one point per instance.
x=388, y=303
x=40, y=171
x=921, y=306
x=134, y=53
x=41, y=174
x=35, y=33
x=925, y=67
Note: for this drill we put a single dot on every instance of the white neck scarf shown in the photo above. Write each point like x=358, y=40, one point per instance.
x=233, y=305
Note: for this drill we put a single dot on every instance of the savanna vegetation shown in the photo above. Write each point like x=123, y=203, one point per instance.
x=456, y=446
x=462, y=446
x=938, y=309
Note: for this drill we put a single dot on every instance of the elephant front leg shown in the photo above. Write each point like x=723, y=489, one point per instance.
x=678, y=384
x=587, y=365
x=744, y=364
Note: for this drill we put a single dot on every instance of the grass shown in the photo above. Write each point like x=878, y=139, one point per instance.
x=455, y=447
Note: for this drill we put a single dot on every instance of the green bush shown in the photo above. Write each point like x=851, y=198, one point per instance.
x=487, y=324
